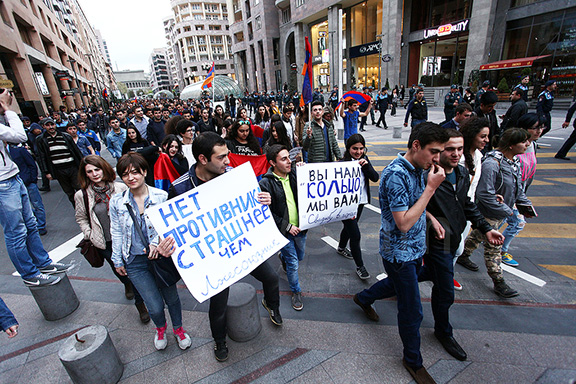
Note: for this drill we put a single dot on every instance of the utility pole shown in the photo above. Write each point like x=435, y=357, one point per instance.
x=380, y=60
x=89, y=56
x=72, y=61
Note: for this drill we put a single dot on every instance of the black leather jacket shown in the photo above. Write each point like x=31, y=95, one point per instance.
x=452, y=208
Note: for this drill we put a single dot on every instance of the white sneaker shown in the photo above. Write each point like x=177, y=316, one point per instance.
x=160, y=341
x=183, y=338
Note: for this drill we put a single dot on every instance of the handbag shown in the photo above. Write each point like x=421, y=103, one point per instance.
x=165, y=272
x=87, y=249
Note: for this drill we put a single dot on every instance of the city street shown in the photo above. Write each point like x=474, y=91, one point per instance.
x=530, y=338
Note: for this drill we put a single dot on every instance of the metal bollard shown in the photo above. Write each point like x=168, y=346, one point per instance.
x=89, y=357
x=242, y=317
x=56, y=301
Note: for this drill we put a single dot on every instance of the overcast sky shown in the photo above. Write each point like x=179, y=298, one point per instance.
x=131, y=28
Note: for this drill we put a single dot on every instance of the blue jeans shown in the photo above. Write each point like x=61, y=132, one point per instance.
x=402, y=282
x=37, y=206
x=20, y=231
x=439, y=268
x=154, y=296
x=293, y=253
x=415, y=122
x=516, y=224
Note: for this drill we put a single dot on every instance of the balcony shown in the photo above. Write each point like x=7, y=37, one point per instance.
x=281, y=4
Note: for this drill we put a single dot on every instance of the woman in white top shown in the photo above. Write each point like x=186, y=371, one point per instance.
x=186, y=130
x=476, y=133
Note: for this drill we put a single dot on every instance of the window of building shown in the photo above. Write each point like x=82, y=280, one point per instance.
x=197, y=17
x=300, y=3
x=199, y=27
x=186, y=29
x=276, y=50
x=432, y=13
x=286, y=16
x=33, y=8
x=239, y=37
x=366, y=22
x=24, y=33
x=214, y=27
x=247, y=8
x=250, y=32
x=195, y=7
x=258, y=22
x=220, y=67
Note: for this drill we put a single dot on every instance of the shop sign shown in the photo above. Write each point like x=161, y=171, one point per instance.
x=365, y=49
x=317, y=60
x=41, y=83
x=447, y=29
x=386, y=58
x=325, y=56
x=5, y=83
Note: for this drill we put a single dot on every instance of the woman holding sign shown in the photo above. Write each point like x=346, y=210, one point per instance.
x=136, y=246
x=356, y=151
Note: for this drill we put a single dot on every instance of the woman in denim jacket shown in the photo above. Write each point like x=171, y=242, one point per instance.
x=132, y=254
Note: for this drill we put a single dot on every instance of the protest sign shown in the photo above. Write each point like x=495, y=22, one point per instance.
x=222, y=233
x=328, y=192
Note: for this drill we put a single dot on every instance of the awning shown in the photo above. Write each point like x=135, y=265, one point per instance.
x=514, y=63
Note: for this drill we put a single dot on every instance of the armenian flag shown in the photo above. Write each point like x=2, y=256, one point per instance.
x=105, y=93
x=208, y=80
x=306, y=96
x=360, y=97
x=164, y=172
x=259, y=163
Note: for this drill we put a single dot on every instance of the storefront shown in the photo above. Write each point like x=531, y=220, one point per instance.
x=552, y=38
x=363, y=67
x=439, y=58
x=320, y=55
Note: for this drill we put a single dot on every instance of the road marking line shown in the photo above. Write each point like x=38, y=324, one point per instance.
x=62, y=250
x=330, y=241
x=373, y=208
x=523, y=275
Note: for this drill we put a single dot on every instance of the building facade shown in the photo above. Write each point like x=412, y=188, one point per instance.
x=49, y=56
x=255, y=44
x=160, y=78
x=197, y=35
x=137, y=82
x=431, y=42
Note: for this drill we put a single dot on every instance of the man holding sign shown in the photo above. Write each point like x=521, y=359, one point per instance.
x=280, y=182
x=403, y=199
x=211, y=155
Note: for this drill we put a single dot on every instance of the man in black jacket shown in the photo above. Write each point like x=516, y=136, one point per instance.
x=211, y=154
x=485, y=108
x=280, y=182
x=59, y=158
x=447, y=212
x=518, y=109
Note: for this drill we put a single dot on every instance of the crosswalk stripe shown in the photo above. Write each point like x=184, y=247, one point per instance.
x=523, y=275
x=62, y=250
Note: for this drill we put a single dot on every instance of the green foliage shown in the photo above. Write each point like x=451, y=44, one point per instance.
x=503, y=86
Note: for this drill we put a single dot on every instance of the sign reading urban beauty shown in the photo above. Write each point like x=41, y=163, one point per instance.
x=446, y=29
x=328, y=192
x=222, y=232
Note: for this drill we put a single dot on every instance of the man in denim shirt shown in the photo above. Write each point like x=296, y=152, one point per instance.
x=403, y=199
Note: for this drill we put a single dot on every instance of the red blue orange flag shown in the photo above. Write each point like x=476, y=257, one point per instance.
x=306, y=96
x=259, y=163
x=360, y=97
x=164, y=172
x=208, y=80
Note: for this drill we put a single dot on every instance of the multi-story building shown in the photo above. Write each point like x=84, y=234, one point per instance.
x=198, y=35
x=160, y=78
x=47, y=49
x=103, y=46
x=432, y=42
x=136, y=82
x=255, y=44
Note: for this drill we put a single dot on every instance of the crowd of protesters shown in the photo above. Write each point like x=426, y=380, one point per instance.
x=465, y=176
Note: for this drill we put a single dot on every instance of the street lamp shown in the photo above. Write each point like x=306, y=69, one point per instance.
x=72, y=61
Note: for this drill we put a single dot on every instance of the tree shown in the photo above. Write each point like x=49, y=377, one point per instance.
x=503, y=86
x=122, y=88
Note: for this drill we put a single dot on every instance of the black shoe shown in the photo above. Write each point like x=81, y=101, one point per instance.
x=420, y=375
x=503, y=290
x=561, y=157
x=42, y=232
x=221, y=351
x=368, y=310
x=385, y=127
x=143, y=312
x=362, y=273
x=451, y=346
x=378, y=126
x=44, y=189
x=373, y=123
x=275, y=316
x=467, y=263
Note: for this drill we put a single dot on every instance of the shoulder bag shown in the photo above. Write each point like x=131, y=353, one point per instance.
x=87, y=249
